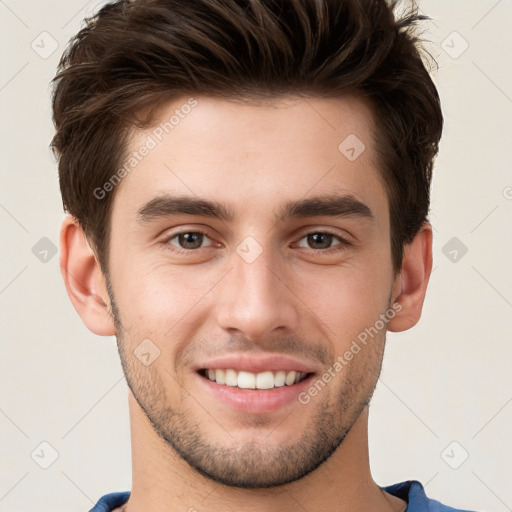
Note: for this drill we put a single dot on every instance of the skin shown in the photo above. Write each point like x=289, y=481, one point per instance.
x=189, y=450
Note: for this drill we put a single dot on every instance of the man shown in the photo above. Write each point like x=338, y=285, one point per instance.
x=247, y=185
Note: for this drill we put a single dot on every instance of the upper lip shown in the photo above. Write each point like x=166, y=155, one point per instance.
x=243, y=362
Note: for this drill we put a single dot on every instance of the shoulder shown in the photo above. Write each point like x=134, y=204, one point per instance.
x=109, y=502
x=414, y=494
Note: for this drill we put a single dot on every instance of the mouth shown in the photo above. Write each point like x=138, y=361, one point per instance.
x=254, y=381
x=264, y=392
x=244, y=383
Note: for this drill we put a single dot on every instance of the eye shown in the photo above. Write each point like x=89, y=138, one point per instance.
x=187, y=240
x=322, y=240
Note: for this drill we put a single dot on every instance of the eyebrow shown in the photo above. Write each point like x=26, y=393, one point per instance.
x=330, y=205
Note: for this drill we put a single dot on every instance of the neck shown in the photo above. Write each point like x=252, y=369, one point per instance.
x=163, y=481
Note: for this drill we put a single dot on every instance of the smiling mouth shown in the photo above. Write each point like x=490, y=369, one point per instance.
x=247, y=380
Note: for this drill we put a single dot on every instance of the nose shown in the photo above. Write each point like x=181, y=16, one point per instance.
x=257, y=297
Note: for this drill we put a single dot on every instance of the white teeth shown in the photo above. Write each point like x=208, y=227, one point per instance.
x=220, y=376
x=248, y=380
x=231, y=378
x=265, y=380
x=279, y=379
x=290, y=378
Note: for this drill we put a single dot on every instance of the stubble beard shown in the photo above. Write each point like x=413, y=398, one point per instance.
x=248, y=464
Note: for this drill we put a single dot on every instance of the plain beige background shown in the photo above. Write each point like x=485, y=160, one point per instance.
x=442, y=413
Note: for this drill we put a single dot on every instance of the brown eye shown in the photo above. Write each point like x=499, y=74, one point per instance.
x=320, y=240
x=188, y=240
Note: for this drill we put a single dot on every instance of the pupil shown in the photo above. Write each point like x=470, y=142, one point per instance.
x=187, y=239
x=324, y=239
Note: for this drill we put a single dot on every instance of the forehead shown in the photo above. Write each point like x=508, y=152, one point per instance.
x=253, y=156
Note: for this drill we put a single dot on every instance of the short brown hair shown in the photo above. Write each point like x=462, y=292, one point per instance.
x=134, y=55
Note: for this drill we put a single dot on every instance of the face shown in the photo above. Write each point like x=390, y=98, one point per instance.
x=251, y=242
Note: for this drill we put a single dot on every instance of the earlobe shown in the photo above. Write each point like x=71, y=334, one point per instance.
x=411, y=284
x=84, y=279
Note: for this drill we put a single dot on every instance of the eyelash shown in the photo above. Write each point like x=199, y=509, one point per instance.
x=336, y=248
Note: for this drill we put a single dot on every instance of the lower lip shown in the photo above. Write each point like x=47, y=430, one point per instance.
x=256, y=401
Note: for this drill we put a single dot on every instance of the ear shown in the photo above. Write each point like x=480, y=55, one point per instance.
x=410, y=285
x=84, y=280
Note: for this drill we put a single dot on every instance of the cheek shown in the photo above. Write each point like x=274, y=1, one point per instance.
x=157, y=299
x=346, y=298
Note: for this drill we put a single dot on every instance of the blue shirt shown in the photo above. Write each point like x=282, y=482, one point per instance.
x=412, y=492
